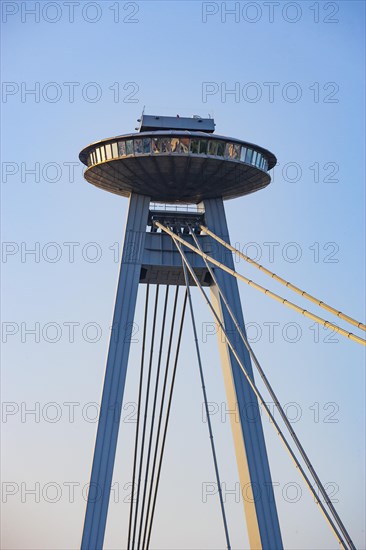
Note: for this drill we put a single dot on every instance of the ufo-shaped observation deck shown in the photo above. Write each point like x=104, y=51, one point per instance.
x=172, y=165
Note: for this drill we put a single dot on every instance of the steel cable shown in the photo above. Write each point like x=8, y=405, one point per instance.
x=289, y=285
x=145, y=414
x=289, y=304
x=153, y=416
x=167, y=415
x=138, y=415
x=261, y=400
x=207, y=409
x=279, y=407
x=161, y=409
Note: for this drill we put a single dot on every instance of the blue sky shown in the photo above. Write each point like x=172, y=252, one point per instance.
x=166, y=56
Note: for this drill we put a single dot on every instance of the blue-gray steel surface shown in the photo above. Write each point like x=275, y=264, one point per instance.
x=153, y=122
x=115, y=375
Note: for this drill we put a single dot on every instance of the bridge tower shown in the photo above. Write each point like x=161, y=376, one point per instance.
x=177, y=171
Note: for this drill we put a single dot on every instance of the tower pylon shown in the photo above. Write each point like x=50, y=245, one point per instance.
x=178, y=162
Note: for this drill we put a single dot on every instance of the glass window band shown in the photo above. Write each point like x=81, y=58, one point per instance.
x=179, y=145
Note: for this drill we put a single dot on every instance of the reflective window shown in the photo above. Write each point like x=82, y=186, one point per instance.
x=232, y=151
x=138, y=146
x=195, y=146
x=179, y=145
x=146, y=145
x=108, y=151
x=220, y=148
x=175, y=145
x=114, y=150
x=122, y=148
x=212, y=147
x=236, y=152
x=165, y=145
x=129, y=147
x=155, y=145
x=203, y=147
x=184, y=145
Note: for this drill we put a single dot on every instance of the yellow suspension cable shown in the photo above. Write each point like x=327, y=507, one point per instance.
x=263, y=403
x=304, y=312
x=284, y=282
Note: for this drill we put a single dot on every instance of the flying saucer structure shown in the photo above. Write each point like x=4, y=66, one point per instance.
x=177, y=165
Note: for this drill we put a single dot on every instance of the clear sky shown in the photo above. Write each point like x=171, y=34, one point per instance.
x=296, y=73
